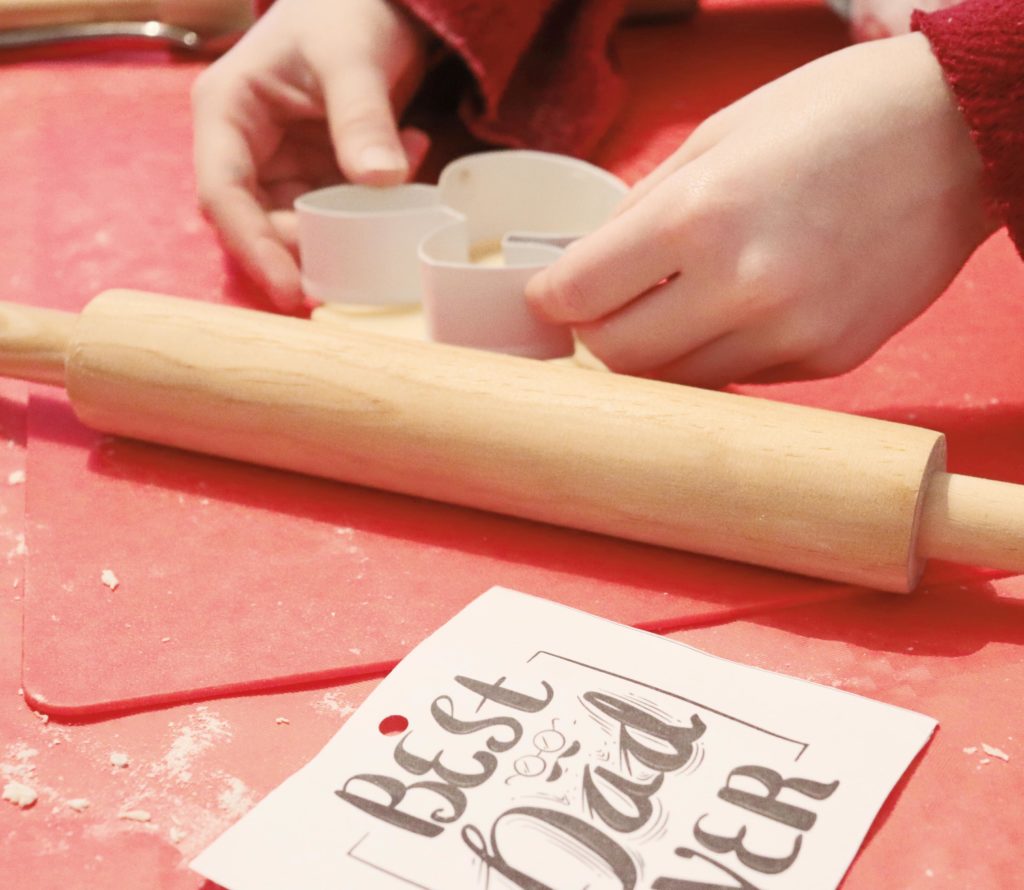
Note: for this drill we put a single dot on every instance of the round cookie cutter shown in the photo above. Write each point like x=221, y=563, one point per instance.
x=464, y=248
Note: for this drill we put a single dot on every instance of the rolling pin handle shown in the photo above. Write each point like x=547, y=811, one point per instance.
x=34, y=343
x=973, y=521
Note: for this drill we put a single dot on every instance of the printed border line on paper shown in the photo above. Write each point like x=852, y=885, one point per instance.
x=802, y=745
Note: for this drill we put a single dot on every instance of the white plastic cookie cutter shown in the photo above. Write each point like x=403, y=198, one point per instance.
x=464, y=248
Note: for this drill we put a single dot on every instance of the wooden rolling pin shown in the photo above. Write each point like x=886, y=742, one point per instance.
x=802, y=489
x=205, y=16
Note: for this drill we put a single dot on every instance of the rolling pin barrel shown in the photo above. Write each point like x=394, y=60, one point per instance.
x=779, y=485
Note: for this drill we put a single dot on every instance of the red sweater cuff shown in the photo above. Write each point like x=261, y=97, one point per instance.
x=980, y=46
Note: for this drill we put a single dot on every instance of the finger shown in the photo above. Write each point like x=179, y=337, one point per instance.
x=739, y=356
x=296, y=168
x=673, y=319
x=363, y=128
x=251, y=238
x=609, y=268
x=226, y=183
x=763, y=353
x=286, y=227
x=698, y=143
x=701, y=140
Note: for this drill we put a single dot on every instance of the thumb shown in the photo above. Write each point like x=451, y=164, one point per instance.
x=363, y=127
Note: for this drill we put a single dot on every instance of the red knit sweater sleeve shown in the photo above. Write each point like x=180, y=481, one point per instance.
x=541, y=69
x=980, y=46
x=542, y=73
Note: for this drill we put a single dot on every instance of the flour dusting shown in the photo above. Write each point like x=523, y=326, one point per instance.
x=332, y=703
x=237, y=799
x=18, y=761
x=201, y=731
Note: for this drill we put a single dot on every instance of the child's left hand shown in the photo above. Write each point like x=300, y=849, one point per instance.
x=791, y=235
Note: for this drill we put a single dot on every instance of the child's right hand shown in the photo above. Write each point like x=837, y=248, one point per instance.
x=309, y=96
x=791, y=235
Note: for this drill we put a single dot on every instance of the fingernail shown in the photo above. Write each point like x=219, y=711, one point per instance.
x=382, y=160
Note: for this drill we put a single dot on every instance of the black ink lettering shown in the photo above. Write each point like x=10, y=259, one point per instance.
x=583, y=833
x=419, y=766
x=557, y=769
x=639, y=795
x=502, y=695
x=768, y=804
x=450, y=723
x=679, y=738
x=739, y=883
x=767, y=865
x=396, y=792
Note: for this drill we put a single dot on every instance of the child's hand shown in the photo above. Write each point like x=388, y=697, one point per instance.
x=315, y=87
x=791, y=235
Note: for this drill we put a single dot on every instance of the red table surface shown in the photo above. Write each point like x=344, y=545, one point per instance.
x=121, y=213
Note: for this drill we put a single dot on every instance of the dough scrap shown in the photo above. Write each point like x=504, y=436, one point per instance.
x=993, y=751
x=19, y=794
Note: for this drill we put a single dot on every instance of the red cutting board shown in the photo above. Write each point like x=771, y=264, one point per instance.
x=235, y=578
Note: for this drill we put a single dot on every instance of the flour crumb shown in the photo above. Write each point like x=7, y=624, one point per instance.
x=109, y=579
x=20, y=795
x=16, y=478
x=79, y=804
x=971, y=750
x=20, y=548
x=985, y=760
x=119, y=759
x=135, y=815
x=177, y=835
x=993, y=751
x=165, y=639
x=282, y=721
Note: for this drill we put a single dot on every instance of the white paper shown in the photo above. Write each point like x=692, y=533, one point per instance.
x=548, y=748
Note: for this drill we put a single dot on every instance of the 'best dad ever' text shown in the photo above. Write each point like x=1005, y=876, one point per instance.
x=433, y=795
